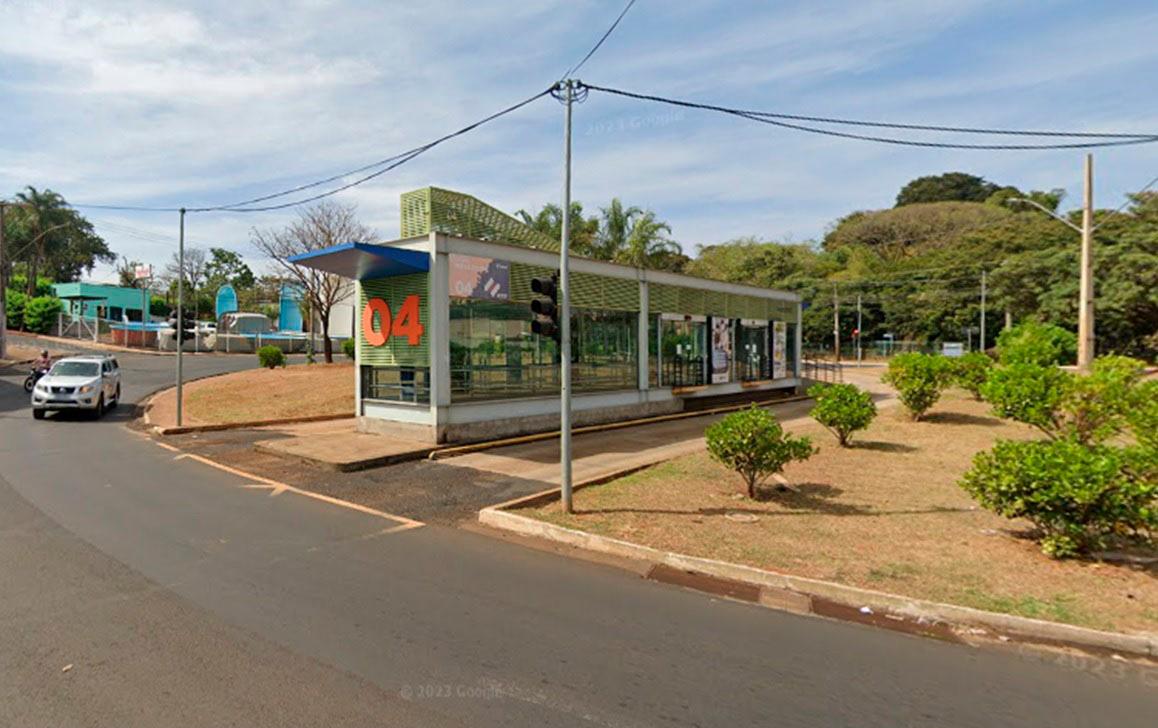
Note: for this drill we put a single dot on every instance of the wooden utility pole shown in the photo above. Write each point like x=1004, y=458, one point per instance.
x=1086, y=295
x=836, y=323
x=982, y=310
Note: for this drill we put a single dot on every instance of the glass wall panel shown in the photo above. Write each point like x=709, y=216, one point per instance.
x=752, y=360
x=683, y=345
x=494, y=355
x=396, y=384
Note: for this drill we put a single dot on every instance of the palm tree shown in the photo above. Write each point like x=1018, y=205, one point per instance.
x=42, y=211
x=647, y=241
x=549, y=221
x=615, y=229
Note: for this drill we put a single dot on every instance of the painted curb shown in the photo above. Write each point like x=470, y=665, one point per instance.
x=773, y=585
x=186, y=429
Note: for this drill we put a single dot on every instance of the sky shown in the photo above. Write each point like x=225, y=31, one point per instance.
x=204, y=102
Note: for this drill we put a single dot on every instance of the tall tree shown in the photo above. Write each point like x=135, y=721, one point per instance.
x=50, y=238
x=549, y=221
x=321, y=226
x=614, y=229
x=226, y=266
x=647, y=242
x=194, y=278
x=948, y=187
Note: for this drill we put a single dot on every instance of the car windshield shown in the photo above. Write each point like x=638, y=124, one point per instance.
x=75, y=369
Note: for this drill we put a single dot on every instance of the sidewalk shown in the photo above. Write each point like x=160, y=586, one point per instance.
x=598, y=455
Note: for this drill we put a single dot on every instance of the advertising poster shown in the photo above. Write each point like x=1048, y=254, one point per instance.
x=779, y=349
x=721, y=350
x=472, y=277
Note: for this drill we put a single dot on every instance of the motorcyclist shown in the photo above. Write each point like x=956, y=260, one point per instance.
x=43, y=363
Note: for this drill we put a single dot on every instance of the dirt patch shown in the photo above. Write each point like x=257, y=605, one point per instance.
x=260, y=394
x=885, y=514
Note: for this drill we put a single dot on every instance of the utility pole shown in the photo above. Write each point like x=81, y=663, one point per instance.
x=1086, y=302
x=565, y=312
x=836, y=323
x=859, y=332
x=3, y=290
x=178, y=332
x=983, y=310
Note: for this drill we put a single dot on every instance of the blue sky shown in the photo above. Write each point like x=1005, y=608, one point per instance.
x=205, y=102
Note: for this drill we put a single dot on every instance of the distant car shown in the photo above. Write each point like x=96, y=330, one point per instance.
x=91, y=383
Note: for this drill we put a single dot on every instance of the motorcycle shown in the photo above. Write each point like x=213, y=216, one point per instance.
x=33, y=377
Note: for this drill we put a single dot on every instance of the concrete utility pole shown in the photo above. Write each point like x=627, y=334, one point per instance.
x=565, y=309
x=1086, y=300
x=859, y=332
x=178, y=332
x=982, y=310
x=836, y=324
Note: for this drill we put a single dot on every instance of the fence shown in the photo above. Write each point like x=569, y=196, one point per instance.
x=819, y=370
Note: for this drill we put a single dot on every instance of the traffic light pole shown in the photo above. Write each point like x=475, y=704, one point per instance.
x=178, y=333
x=565, y=310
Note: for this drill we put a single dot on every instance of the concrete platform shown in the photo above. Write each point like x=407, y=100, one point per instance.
x=342, y=447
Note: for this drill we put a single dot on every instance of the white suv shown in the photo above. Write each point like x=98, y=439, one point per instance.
x=90, y=383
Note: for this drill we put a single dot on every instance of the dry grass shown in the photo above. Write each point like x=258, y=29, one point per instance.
x=886, y=515
x=262, y=394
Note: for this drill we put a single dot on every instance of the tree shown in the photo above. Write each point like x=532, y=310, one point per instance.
x=1039, y=344
x=318, y=227
x=753, y=443
x=52, y=239
x=948, y=187
x=647, y=242
x=127, y=274
x=227, y=267
x=615, y=229
x=195, y=270
x=919, y=380
x=914, y=229
x=549, y=221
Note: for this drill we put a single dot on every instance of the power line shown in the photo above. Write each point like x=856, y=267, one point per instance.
x=399, y=160
x=1108, y=140
x=577, y=66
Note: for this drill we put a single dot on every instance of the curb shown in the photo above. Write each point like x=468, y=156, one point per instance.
x=813, y=596
x=186, y=429
x=454, y=451
x=350, y=466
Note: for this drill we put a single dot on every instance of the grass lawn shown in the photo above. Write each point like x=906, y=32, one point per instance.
x=260, y=394
x=885, y=514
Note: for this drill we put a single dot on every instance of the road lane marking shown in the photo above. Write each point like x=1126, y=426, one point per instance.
x=278, y=488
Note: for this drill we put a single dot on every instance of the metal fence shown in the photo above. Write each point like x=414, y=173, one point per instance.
x=819, y=370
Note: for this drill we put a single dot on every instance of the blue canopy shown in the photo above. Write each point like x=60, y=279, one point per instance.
x=363, y=261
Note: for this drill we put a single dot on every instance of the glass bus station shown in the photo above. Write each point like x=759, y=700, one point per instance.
x=445, y=349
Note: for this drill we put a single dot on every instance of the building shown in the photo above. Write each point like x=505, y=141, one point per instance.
x=113, y=303
x=444, y=342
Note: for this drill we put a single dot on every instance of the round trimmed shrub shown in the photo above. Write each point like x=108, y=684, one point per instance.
x=970, y=372
x=919, y=380
x=349, y=348
x=1033, y=343
x=842, y=409
x=753, y=443
x=271, y=357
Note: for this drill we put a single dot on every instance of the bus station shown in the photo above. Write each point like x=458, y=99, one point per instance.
x=446, y=350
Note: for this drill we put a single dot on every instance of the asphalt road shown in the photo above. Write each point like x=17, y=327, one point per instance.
x=179, y=597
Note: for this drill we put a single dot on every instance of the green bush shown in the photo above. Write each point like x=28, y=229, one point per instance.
x=842, y=409
x=270, y=357
x=970, y=372
x=752, y=443
x=1088, y=408
x=1143, y=413
x=919, y=380
x=40, y=314
x=15, y=301
x=349, y=348
x=1076, y=496
x=1034, y=343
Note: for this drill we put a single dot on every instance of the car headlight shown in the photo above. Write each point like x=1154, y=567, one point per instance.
x=86, y=389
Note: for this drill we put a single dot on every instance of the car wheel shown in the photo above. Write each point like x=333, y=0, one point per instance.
x=100, y=408
x=38, y=414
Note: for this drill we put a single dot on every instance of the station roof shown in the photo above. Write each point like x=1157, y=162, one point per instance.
x=363, y=261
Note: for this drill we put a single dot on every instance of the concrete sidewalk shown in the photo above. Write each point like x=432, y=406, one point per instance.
x=337, y=445
x=601, y=454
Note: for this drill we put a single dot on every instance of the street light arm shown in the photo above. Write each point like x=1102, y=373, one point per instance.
x=1047, y=211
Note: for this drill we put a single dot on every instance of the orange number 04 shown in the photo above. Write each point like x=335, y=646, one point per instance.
x=406, y=324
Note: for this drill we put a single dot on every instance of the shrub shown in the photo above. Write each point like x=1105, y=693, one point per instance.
x=919, y=380
x=1143, y=413
x=1076, y=496
x=15, y=301
x=970, y=372
x=40, y=314
x=752, y=443
x=842, y=409
x=1034, y=343
x=349, y=348
x=270, y=357
x=1088, y=408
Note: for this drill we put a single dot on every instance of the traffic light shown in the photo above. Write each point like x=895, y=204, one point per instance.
x=545, y=307
x=187, y=326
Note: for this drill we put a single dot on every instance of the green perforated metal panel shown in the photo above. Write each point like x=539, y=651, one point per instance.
x=588, y=290
x=662, y=298
x=454, y=213
x=396, y=351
